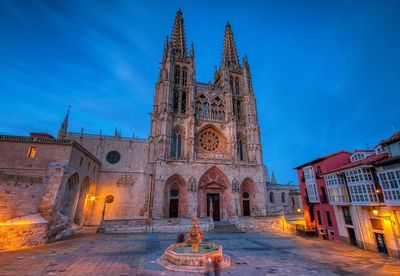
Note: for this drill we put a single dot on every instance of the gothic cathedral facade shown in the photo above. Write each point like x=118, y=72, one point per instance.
x=203, y=152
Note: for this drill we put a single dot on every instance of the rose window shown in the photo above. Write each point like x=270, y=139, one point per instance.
x=209, y=141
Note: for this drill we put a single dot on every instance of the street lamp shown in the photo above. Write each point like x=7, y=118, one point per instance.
x=108, y=200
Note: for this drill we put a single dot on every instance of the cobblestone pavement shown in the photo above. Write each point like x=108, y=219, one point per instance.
x=251, y=254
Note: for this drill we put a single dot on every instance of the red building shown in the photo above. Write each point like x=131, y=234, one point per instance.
x=318, y=213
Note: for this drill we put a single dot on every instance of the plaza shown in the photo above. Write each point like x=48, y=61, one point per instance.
x=250, y=253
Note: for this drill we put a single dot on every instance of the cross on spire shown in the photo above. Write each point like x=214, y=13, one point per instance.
x=178, y=41
x=229, y=56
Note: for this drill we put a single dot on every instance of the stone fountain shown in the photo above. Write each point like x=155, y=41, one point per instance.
x=193, y=255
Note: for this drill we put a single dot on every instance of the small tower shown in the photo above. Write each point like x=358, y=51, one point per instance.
x=64, y=126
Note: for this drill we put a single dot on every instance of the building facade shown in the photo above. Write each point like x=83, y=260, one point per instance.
x=203, y=153
x=318, y=213
x=364, y=192
x=204, y=145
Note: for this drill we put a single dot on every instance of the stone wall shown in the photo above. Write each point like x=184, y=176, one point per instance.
x=153, y=225
x=23, y=232
x=276, y=224
x=19, y=195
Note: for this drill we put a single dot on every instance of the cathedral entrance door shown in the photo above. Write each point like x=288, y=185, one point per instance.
x=214, y=198
x=173, y=207
x=246, y=208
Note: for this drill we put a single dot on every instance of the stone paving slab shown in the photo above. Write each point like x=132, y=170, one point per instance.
x=251, y=254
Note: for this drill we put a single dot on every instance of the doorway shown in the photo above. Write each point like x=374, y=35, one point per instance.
x=214, y=198
x=352, y=236
x=246, y=208
x=173, y=207
x=380, y=240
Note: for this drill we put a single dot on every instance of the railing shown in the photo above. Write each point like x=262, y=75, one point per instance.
x=101, y=136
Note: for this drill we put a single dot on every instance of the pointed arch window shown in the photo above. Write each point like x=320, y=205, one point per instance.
x=184, y=76
x=283, y=197
x=271, y=197
x=240, y=149
x=177, y=75
x=175, y=103
x=176, y=147
x=237, y=86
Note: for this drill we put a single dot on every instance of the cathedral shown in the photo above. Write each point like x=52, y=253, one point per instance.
x=203, y=155
x=204, y=145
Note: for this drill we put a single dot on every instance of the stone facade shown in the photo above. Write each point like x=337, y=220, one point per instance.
x=52, y=184
x=283, y=198
x=204, y=145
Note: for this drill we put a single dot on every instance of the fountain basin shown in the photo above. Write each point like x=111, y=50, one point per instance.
x=179, y=257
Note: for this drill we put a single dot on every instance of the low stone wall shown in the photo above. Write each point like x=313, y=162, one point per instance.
x=275, y=224
x=153, y=225
x=23, y=232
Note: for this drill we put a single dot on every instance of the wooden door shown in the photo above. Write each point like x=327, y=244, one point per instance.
x=246, y=208
x=173, y=207
x=215, y=206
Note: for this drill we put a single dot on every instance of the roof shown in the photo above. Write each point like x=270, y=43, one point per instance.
x=364, y=151
x=370, y=160
x=41, y=135
x=321, y=159
x=392, y=139
x=389, y=161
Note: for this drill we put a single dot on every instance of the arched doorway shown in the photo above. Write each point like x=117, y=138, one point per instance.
x=78, y=218
x=215, y=195
x=247, y=196
x=68, y=202
x=175, y=197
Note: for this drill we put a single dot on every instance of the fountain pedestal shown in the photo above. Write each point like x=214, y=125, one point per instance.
x=194, y=255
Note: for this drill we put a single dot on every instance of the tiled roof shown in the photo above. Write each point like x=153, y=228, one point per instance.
x=370, y=160
x=321, y=159
x=394, y=138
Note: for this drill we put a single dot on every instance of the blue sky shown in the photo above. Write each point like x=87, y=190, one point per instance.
x=325, y=73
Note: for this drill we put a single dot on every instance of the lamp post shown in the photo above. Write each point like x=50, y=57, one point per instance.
x=108, y=200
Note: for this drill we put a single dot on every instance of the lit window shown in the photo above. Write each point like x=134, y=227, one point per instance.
x=32, y=152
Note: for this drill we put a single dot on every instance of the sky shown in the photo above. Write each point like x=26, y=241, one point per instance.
x=326, y=74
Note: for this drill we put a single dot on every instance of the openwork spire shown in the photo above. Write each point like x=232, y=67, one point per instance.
x=229, y=56
x=178, y=41
x=64, y=126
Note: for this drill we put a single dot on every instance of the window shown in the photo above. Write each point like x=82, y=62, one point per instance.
x=311, y=184
x=174, y=193
x=245, y=195
x=183, y=102
x=292, y=201
x=88, y=166
x=283, y=197
x=175, y=100
x=184, y=76
x=113, y=157
x=347, y=216
x=237, y=86
x=176, y=147
x=271, y=197
x=209, y=141
x=328, y=217
x=80, y=162
x=361, y=186
x=240, y=149
x=319, y=217
x=32, y=152
x=177, y=75
x=390, y=183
